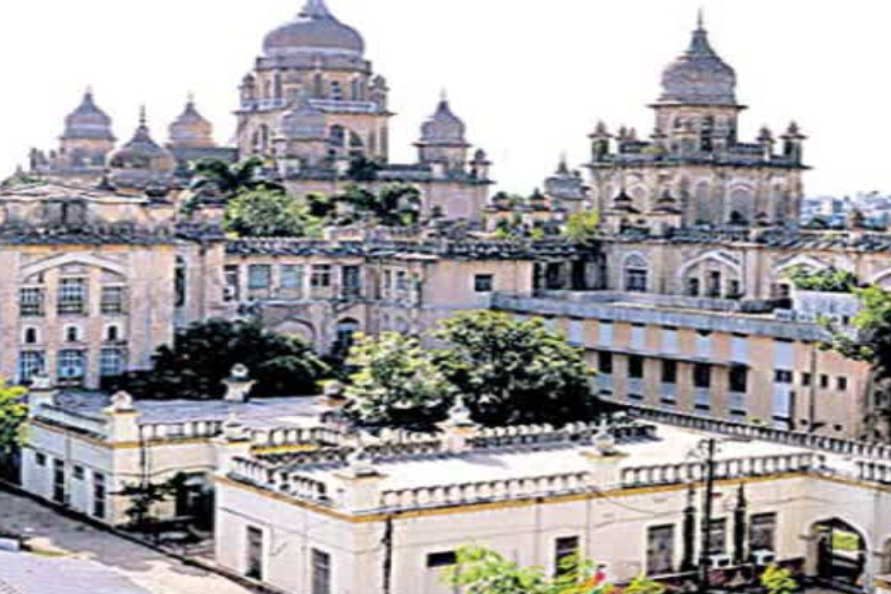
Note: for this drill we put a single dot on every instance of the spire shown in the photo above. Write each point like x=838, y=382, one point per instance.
x=563, y=168
x=700, y=20
x=143, y=118
x=316, y=9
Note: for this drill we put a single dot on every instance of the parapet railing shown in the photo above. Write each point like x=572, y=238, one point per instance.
x=485, y=491
x=673, y=474
x=537, y=435
x=874, y=472
x=835, y=445
x=176, y=431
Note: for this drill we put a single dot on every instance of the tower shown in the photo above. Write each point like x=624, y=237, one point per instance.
x=141, y=162
x=190, y=129
x=318, y=56
x=443, y=140
x=87, y=139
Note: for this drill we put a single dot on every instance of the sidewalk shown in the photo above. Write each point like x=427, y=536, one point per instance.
x=51, y=533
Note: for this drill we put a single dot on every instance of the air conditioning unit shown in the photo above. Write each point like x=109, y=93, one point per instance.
x=721, y=561
x=785, y=315
x=806, y=316
x=763, y=557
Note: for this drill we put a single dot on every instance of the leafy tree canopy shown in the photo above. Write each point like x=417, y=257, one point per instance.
x=203, y=355
x=230, y=179
x=512, y=371
x=829, y=280
x=581, y=227
x=13, y=414
x=394, y=205
x=397, y=384
x=483, y=571
x=778, y=581
x=270, y=213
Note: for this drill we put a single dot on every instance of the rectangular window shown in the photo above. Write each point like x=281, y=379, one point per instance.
x=232, y=291
x=112, y=301
x=605, y=333
x=78, y=472
x=40, y=458
x=98, y=495
x=401, y=280
x=291, y=276
x=112, y=362
x=782, y=376
x=717, y=537
x=72, y=364
x=739, y=379
x=72, y=296
x=566, y=553
x=321, y=276
x=739, y=347
x=254, y=553
x=443, y=559
x=702, y=375
x=841, y=383
x=483, y=283
x=259, y=276
x=762, y=532
x=670, y=341
x=635, y=367
x=31, y=302
x=669, y=372
x=59, y=493
x=824, y=381
x=351, y=283
x=31, y=363
x=805, y=379
x=605, y=363
x=660, y=550
x=636, y=281
x=321, y=572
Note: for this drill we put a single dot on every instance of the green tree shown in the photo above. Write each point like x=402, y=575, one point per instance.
x=269, y=213
x=13, y=414
x=483, y=571
x=871, y=343
x=396, y=385
x=828, y=280
x=643, y=585
x=512, y=371
x=203, y=355
x=778, y=580
x=581, y=227
x=363, y=169
x=230, y=179
x=395, y=205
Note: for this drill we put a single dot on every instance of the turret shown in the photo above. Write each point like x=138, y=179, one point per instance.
x=600, y=141
x=191, y=130
x=443, y=139
x=766, y=140
x=793, y=144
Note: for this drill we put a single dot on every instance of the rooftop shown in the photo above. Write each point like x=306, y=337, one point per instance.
x=22, y=573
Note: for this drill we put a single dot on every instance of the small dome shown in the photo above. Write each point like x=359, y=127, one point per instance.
x=88, y=122
x=314, y=30
x=699, y=76
x=142, y=152
x=444, y=127
x=190, y=129
x=303, y=121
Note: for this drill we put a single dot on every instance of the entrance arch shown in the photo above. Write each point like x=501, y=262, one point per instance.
x=838, y=553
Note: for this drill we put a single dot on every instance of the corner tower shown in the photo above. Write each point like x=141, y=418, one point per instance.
x=695, y=157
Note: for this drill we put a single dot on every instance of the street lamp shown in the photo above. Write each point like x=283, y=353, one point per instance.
x=705, y=453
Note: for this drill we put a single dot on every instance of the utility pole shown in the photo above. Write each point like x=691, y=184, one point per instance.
x=709, y=446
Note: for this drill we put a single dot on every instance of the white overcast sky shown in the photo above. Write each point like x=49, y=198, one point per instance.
x=531, y=78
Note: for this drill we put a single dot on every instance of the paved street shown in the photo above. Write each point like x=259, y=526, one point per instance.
x=153, y=571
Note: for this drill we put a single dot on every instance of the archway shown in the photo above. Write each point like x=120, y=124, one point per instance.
x=838, y=554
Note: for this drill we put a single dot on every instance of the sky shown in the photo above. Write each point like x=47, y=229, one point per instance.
x=530, y=78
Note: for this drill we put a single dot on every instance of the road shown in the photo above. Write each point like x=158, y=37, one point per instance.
x=54, y=534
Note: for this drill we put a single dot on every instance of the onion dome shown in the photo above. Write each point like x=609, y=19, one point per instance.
x=624, y=203
x=314, y=30
x=564, y=184
x=444, y=127
x=699, y=76
x=88, y=122
x=142, y=152
x=191, y=129
x=667, y=204
x=303, y=121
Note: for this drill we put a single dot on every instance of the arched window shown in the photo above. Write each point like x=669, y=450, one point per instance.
x=346, y=335
x=30, y=335
x=278, y=86
x=636, y=274
x=72, y=334
x=337, y=136
x=693, y=287
x=113, y=333
x=356, y=90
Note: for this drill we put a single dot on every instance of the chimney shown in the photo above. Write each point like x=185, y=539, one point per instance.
x=238, y=384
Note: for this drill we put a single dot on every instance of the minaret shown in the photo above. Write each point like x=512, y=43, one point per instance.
x=443, y=139
x=87, y=139
x=190, y=129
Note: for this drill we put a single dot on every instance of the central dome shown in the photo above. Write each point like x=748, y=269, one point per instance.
x=699, y=76
x=314, y=30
